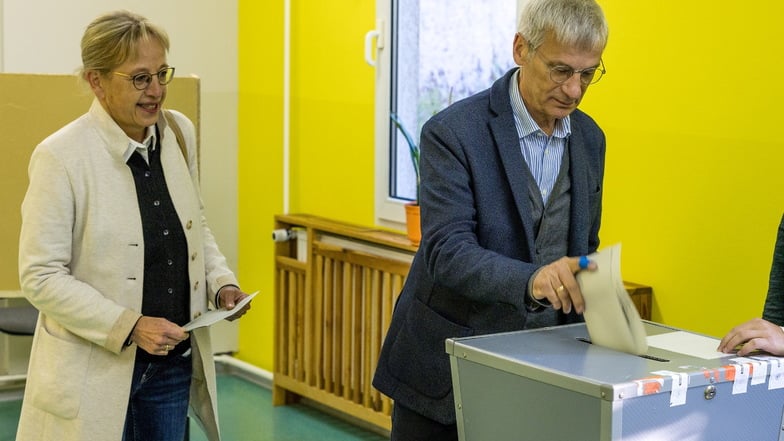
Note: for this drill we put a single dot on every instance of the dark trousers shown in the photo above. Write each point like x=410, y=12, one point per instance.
x=408, y=425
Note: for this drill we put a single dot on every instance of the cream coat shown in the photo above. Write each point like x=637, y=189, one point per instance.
x=81, y=263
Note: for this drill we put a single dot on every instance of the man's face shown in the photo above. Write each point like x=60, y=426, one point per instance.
x=132, y=109
x=545, y=99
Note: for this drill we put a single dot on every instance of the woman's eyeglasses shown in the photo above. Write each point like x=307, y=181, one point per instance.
x=141, y=81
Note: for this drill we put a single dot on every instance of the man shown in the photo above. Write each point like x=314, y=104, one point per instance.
x=763, y=334
x=511, y=186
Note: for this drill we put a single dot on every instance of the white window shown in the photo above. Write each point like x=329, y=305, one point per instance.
x=430, y=53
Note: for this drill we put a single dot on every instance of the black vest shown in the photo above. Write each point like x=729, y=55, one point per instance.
x=166, y=282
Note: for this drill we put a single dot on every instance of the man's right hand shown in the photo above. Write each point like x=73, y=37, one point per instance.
x=556, y=283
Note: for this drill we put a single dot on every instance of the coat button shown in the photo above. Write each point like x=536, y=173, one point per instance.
x=189, y=225
x=193, y=256
x=196, y=285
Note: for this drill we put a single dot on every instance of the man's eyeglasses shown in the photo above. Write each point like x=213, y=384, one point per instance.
x=560, y=73
x=141, y=81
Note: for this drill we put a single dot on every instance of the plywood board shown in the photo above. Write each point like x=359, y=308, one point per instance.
x=32, y=107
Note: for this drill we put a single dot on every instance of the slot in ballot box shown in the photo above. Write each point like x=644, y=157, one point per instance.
x=552, y=384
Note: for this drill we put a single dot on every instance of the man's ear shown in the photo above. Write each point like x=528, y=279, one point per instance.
x=520, y=49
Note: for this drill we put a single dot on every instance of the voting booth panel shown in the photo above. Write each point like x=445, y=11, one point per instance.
x=552, y=384
x=33, y=107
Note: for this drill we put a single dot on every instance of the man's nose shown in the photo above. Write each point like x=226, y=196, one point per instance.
x=573, y=87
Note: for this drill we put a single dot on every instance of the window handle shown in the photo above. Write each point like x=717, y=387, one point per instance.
x=378, y=35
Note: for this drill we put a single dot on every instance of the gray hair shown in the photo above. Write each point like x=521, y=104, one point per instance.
x=112, y=39
x=578, y=23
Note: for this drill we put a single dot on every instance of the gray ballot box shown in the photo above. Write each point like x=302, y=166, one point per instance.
x=552, y=384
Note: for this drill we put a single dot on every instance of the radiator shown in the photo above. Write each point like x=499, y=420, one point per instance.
x=333, y=306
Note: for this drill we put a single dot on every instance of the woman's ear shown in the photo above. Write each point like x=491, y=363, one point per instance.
x=95, y=80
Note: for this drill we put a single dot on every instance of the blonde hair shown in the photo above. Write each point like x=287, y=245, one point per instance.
x=113, y=38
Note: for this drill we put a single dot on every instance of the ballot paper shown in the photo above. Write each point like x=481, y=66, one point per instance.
x=216, y=315
x=687, y=343
x=610, y=315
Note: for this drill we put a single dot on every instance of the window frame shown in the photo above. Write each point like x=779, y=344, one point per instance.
x=388, y=211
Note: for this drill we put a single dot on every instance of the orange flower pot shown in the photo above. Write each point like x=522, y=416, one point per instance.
x=413, y=226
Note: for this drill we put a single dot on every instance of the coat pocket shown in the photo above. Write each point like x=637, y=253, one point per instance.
x=418, y=356
x=57, y=376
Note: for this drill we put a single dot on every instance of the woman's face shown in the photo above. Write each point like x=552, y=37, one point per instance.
x=132, y=109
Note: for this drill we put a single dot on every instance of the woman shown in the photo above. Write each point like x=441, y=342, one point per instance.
x=116, y=255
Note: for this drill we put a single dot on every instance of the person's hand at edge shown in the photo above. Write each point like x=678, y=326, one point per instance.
x=754, y=335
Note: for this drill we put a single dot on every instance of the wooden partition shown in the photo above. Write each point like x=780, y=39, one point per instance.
x=335, y=289
x=34, y=106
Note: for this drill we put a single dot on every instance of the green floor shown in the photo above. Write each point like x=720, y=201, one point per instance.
x=9, y=417
x=246, y=414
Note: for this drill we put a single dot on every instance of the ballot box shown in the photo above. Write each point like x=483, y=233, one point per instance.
x=552, y=384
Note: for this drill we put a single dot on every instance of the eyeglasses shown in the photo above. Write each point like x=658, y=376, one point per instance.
x=560, y=73
x=141, y=81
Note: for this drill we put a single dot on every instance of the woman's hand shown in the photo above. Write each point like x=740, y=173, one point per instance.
x=157, y=335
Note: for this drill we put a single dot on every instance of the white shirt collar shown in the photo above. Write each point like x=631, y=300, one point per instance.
x=142, y=147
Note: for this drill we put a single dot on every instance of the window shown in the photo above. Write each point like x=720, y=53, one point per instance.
x=431, y=53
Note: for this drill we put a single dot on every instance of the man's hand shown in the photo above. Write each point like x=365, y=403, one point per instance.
x=557, y=284
x=754, y=335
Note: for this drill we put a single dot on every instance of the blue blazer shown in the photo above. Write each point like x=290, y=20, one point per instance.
x=471, y=272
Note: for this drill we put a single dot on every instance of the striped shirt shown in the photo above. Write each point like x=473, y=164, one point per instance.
x=542, y=153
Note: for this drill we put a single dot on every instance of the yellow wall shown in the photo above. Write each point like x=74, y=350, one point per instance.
x=260, y=167
x=689, y=105
x=691, y=109
x=332, y=110
x=331, y=135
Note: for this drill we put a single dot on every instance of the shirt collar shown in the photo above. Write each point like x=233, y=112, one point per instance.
x=149, y=141
x=523, y=120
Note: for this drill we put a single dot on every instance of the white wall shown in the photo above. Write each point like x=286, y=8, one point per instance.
x=43, y=36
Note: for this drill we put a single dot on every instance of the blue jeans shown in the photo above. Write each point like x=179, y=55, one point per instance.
x=158, y=404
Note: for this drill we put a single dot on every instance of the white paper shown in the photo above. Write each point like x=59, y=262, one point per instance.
x=679, y=388
x=216, y=315
x=610, y=315
x=776, y=380
x=687, y=343
x=741, y=383
x=759, y=369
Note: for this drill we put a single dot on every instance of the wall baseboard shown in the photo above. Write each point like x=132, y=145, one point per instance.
x=227, y=364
